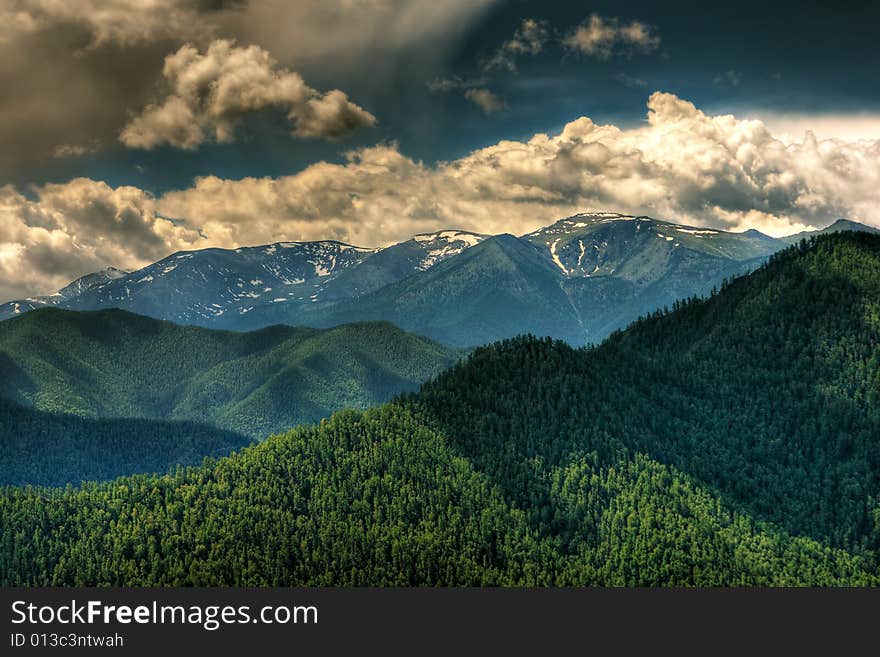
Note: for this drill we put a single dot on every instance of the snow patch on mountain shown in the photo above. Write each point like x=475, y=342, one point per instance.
x=555, y=257
x=471, y=239
x=444, y=244
x=580, y=220
x=699, y=232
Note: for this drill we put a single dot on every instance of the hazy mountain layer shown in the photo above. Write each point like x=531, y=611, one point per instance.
x=112, y=363
x=610, y=269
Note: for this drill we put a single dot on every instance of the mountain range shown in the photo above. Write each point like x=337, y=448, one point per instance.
x=578, y=280
x=729, y=440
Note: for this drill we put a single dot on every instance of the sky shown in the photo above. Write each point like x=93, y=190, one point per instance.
x=131, y=129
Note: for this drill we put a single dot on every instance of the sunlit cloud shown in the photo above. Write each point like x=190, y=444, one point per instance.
x=682, y=165
x=847, y=127
x=604, y=38
x=212, y=91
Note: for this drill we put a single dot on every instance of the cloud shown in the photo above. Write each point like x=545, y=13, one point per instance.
x=123, y=22
x=847, y=127
x=212, y=91
x=603, y=38
x=528, y=39
x=445, y=85
x=474, y=90
x=731, y=78
x=682, y=165
x=76, y=70
x=75, y=228
x=485, y=100
x=330, y=116
x=74, y=150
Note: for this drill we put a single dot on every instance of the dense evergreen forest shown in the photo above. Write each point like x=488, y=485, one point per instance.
x=379, y=499
x=767, y=391
x=728, y=441
x=67, y=378
x=53, y=449
x=112, y=363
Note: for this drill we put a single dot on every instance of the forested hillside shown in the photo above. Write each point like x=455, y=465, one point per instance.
x=112, y=363
x=731, y=441
x=767, y=391
x=54, y=449
x=379, y=499
x=95, y=395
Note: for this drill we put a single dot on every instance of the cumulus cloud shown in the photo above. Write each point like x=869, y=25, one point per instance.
x=75, y=228
x=75, y=69
x=211, y=91
x=682, y=165
x=485, y=100
x=848, y=127
x=603, y=38
x=528, y=39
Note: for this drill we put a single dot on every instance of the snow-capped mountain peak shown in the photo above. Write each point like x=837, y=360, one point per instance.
x=599, y=216
x=89, y=281
x=67, y=293
x=443, y=244
x=578, y=222
x=592, y=244
x=451, y=236
x=325, y=244
x=202, y=286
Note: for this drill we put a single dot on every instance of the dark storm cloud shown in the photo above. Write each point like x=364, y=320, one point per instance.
x=72, y=82
x=76, y=72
